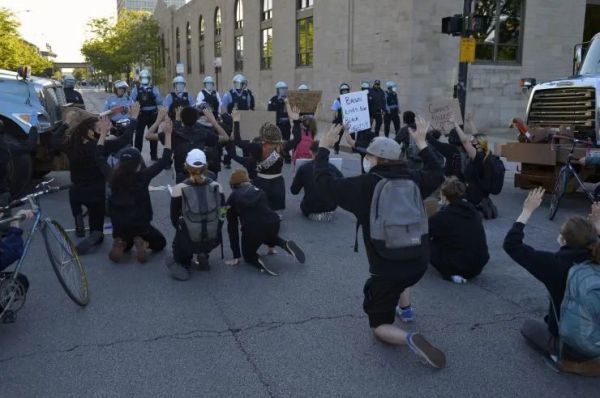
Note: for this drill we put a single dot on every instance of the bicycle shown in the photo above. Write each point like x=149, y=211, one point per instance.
x=564, y=175
x=61, y=253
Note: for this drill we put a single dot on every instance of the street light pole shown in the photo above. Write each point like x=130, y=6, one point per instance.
x=463, y=67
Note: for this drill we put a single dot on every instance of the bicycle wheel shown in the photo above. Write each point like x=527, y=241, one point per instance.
x=559, y=190
x=65, y=262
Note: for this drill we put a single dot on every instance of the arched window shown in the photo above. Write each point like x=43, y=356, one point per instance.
x=177, y=46
x=201, y=44
x=239, y=36
x=188, y=48
x=218, y=27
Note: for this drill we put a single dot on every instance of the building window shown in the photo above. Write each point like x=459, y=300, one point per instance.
x=266, y=48
x=188, y=48
x=302, y=4
x=239, y=53
x=304, y=41
x=502, y=42
x=177, y=46
x=267, y=10
x=218, y=27
x=239, y=15
x=201, y=44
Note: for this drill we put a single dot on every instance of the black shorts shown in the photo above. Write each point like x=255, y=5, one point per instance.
x=381, y=298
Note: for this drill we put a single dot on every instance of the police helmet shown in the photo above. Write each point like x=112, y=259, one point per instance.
x=281, y=85
x=145, y=76
x=390, y=84
x=209, y=79
x=179, y=79
x=344, y=88
x=69, y=81
x=364, y=85
x=240, y=82
x=303, y=87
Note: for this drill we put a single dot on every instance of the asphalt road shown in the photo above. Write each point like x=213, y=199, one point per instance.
x=234, y=332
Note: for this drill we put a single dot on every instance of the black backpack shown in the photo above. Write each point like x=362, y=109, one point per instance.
x=495, y=174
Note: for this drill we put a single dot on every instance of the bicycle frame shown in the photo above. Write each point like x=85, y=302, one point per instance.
x=573, y=173
x=36, y=222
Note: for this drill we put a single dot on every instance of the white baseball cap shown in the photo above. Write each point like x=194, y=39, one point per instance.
x=195, y=158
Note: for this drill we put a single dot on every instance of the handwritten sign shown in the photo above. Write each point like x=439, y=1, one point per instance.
x=307, y=101
x=355, y=111
x=441, y=112
x=252, y=121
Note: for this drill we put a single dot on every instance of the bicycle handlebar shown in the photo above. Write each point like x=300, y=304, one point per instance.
x=46, y=189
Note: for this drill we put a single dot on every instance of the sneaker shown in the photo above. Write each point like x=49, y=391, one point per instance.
x=406, y=315
x=292, y=248
x=428, y=353
x=79, y=226
x=96, y=238
x=178, y=271
x=117, y=251
x=141, y=247
x=458, y=279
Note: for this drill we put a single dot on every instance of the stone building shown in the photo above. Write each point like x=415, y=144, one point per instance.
x=326, y=42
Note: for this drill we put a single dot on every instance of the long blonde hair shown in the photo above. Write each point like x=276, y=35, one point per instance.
x=196, y=174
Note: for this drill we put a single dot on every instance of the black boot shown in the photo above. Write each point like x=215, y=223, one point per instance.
x=79, y=226
x=94, y=239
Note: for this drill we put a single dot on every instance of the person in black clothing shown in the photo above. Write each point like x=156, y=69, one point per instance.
x=129, y=202
x=150, y=99
x=377, y=105
x=457, y=238
x=359, y=143
x=388, y=278
x=88, y=181
x=249, y=206
x=278, y=104
x=338, y=117
x=579, y=243
x=392, y=110
x=313, y=205
x=72, y=96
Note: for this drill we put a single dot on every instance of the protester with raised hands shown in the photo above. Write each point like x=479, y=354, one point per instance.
x=303, y=134
x=579, y=243
x=397, y=249
x=129, y=201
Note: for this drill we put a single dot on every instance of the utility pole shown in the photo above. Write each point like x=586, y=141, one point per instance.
x=463, y=67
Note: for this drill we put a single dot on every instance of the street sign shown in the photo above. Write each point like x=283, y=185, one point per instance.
x=217, y=62
x=180, y=68
x=467, y=49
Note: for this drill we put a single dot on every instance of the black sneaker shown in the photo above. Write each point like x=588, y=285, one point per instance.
x=292, y=248
x=93, y=240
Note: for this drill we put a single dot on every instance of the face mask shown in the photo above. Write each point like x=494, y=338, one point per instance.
x=209, y=86
x=179, y=87
x=145, y=81
x=366, y=165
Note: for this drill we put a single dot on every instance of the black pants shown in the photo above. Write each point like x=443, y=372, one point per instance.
x=286, y=130
x=336, y=146
x=94, y=199
x=156, y=240
x=447, y=266
x=392, y=117
x=183, y=248
x=378, y=122
x=146, y=119
x=253, y=239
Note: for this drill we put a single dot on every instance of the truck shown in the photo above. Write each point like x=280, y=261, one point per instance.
x=571, y=103
x=30, y=110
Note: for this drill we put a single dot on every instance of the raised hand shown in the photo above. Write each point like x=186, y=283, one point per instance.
x=331, y=137
x=294, y=113
x=162, y=113
x=134, y=110
x=168, y=127
x=419, y=135
x=533, y=200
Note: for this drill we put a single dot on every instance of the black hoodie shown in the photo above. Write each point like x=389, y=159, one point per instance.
x=354, y=194
x=457, y=239
x=251, y=206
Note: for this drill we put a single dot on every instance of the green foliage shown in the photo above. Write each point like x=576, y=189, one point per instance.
x=81, y=73
x=130, y=40
x=14, y=51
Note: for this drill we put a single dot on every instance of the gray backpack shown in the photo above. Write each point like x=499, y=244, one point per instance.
x=398, y=219
x=200, y=214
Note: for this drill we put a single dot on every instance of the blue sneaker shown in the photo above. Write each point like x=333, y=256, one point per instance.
x=406, y=315
x=428, y=353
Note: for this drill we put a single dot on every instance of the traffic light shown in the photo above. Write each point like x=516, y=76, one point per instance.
x=480, y=24
x=452, y=25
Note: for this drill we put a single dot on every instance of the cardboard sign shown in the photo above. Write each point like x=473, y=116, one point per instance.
x=307, y=101
x=252, y=121
x=441, y=112
x=355, y=111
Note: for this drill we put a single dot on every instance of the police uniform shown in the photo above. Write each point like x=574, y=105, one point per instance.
x=392, y=112
x=277, y=104
x=376, y=107
x=114, y=101
x=338, y=119
x=177, y=100
x=213, y=99
x=73, y=96
x=149, y=97
x=242, y=100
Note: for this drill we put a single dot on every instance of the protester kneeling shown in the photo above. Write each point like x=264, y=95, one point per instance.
x=571, y=332
x=260, y=224
x=197, y=213
x=458, y=245
x=314, y=206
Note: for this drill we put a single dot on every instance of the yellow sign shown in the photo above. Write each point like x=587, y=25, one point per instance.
x=467, y=49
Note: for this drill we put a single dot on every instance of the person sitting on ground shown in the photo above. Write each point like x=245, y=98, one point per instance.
x=303, y=135
x=196, y=205
x=314, y=206
x=579, y=243
x=458, y=245
x=129, y=201
x=392, y=270
x=249, y=206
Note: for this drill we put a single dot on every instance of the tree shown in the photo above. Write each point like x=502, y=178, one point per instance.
x=14, y=50
x=81, y=73
x=117, y=45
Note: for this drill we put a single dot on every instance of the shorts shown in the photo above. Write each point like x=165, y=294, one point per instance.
x=381, y=298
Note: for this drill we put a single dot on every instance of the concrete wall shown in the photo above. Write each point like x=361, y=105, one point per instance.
x=396, y=40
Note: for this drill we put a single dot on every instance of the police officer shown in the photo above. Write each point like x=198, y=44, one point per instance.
x=178, y=97
x=149, y=98
x=277, y=104
x=377, y=105
x=338, y=118
x=239, y=97
x=71, y=95
x=210, y=96
x=392, y=109
x=118, y=99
